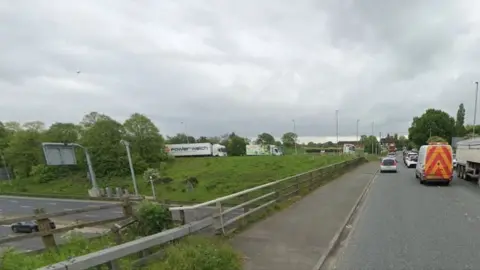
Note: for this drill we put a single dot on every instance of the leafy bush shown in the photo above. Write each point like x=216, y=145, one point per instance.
x=199, y=253
x=151, y=174
x=43, y=174
x=152, y=218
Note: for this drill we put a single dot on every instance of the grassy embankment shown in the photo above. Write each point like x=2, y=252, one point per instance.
x=216, y=177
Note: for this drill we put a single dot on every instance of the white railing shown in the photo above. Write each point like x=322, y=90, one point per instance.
x=222, y=219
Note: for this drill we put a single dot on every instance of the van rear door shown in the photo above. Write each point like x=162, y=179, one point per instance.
x=438, y=162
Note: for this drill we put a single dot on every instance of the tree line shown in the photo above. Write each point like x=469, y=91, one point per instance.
x=20, y=145
x=438, y=125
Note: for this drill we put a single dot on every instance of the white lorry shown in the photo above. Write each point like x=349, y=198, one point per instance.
x=468, y=159
x=196, y=150
x=263, y=150
x=349, y=149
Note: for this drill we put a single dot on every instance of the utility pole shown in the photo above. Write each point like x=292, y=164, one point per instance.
x=373, y=132
x=295, y=132
x=336, y=114
x=475, y=112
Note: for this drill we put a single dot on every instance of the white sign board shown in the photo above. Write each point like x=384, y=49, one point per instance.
x=189, y=149
x=59, y=154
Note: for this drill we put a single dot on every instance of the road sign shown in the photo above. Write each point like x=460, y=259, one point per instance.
x=59, y=154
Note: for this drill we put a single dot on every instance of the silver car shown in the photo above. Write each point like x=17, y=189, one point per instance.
x=388, y=164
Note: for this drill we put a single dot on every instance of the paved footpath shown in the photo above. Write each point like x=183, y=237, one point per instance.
x=298, y=236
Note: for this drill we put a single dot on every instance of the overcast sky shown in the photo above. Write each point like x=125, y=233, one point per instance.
x=245, y=66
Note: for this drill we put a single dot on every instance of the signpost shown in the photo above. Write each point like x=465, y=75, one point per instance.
x=58, y=154
x=132, y=171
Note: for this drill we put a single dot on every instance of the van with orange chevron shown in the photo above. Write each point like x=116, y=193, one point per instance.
x=435, y=163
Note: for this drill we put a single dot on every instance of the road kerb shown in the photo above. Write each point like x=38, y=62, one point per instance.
x=336, y=238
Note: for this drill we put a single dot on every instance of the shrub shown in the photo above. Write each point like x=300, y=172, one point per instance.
x=43, y=174
x=152, y=218
x=199, y=253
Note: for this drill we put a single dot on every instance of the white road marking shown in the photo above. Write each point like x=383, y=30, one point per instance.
x=118, y=212
x=52, y=203
x=25, y=206
x=67, y=209
x=87, y=215
x=13, y=201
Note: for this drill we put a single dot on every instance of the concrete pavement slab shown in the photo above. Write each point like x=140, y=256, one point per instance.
x=298, y=236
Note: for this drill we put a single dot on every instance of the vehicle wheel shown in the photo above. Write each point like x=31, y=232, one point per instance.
x=14, y=229
x=423, y=182
x=416, y=175
x=447, y=183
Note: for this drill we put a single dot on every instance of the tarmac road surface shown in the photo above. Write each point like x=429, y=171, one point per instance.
x=405, y=225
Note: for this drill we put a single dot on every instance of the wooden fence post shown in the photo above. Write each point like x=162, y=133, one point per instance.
x=127, y=207
x=246, y=208
x=218, y=219
x=182, y=216
x=44, y=227
x=297, y=180
x=312, y=181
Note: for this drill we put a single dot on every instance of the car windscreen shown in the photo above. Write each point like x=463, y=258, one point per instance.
x=388, y=162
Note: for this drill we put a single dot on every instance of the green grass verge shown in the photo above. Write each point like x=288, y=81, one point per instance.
x=217, y=177
x=193, y=252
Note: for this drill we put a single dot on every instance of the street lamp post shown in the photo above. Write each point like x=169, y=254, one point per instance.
x=475, y=111
x=373, y=135
x=185, y=130
x=295, y=132
x=336, y=115
x=358, y=121
x=130, y=163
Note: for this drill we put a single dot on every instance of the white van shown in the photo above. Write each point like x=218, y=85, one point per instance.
x=435, y=163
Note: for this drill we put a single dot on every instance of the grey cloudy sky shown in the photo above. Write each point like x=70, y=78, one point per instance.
x=246, y=66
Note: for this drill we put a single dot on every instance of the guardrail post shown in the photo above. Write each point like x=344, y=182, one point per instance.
x=44, y=227
x=218, y=219
x=312, y=181
x=127, y=207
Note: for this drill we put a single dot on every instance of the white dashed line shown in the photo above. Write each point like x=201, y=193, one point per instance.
x=67, y=209
x=13, y=201
x=52, y=203
x=87, y=215
x=25, y=206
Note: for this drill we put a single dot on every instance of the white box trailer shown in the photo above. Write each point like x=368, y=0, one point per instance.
x=196, y=150
x=468, y=159
x=263, y=150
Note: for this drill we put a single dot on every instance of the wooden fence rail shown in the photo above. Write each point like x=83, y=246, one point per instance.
x=257, y=200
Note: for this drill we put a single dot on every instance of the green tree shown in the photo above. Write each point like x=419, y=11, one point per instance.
x=371, y=144
x=236, y=145
x=24, y=151
x=180, y=138
x=144, y=137
x=432, y=123
x=62, y=132
x=289, y=139
x=91, y=118
x=436, y=139
x=265, y=139
x=103, y=141
x=460, y=130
